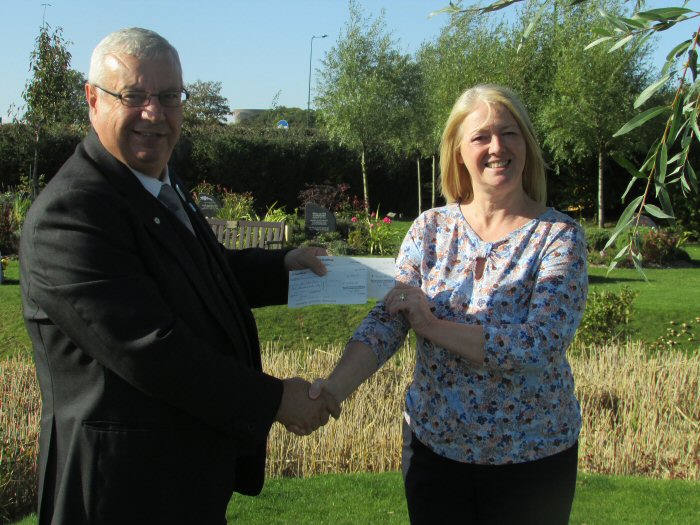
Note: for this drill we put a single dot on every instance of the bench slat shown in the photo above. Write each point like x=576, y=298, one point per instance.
x=248, y=234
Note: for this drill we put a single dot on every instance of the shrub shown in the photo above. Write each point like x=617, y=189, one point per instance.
x=659, y=247
x=13, y=210
x=372, y=235
x=607, y=316
x=332, y=197
x=332, y=242
x=596, y=238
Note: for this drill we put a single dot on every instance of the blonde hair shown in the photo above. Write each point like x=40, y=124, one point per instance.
x=455, y=181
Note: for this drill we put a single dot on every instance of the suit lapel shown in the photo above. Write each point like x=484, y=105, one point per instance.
x=185, y=249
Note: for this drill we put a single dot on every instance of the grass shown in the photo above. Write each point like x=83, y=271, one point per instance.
x=641, y=416
x=638, y=411
x=378, y=499
x=671, y=295
x=13, y=336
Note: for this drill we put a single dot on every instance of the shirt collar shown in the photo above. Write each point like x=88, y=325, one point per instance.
x=152, y=184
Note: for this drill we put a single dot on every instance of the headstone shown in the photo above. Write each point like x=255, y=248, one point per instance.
x=318, y=220
x=209, y=205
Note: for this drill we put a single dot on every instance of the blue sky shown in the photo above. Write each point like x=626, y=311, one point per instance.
x=256, y=48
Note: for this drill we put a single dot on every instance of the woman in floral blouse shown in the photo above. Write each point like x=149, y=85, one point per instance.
x=494, y=285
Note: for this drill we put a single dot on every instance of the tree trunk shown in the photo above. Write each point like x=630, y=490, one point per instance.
x=432, y=200
x=601, y=213
x=364, y=180
x=420, y=190
x=35, y=167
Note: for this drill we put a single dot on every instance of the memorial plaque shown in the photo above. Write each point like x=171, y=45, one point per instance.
x=318, y=220
x=209, y=205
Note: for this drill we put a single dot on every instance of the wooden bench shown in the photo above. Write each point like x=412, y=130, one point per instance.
x=241, y=234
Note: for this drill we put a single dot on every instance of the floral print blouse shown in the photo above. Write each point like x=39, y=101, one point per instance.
x=519, y=405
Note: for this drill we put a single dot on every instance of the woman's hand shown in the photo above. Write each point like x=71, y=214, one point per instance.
x=413, y=304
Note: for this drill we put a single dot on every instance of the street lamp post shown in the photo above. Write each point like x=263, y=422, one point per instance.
x=308, y=101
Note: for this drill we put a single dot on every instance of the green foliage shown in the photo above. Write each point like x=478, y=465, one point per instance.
x=295, y=117
x=367, y=89
x=591, y=106
x=237, y=206
x=378, y=498
x=667, y=161
x=332, y=242
x=607, y=316
x=13, y=210
x=372, y=235
x=597, y=238
x=661, y=247
x=277, y=213
x=234, y=206
x=54, y=93
x=205, y=105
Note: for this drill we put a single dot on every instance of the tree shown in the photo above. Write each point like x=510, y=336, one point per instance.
x=52, y=94
x=205, y=105
x=467, y=52
x=659, y=170
x=583, y=111
x=362, y=98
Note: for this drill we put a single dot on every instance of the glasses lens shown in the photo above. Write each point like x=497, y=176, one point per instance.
x=134, y=98
x=171, y=99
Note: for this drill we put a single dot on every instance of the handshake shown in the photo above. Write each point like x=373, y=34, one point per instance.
x=305, y=406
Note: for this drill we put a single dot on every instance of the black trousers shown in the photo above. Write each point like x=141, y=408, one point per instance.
x=440, y=490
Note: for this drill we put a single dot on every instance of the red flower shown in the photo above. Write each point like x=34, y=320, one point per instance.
x=387, y=220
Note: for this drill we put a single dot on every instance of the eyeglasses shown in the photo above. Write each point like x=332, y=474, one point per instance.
x=139, y=99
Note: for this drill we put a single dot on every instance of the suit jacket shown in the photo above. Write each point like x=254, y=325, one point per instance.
x=155, y=408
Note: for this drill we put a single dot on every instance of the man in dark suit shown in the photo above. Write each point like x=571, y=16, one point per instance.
x=155, y=406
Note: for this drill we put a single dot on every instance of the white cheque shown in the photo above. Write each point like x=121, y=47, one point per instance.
x=350, y=280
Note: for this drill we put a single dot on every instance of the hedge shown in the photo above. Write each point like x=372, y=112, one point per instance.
x=275, y=165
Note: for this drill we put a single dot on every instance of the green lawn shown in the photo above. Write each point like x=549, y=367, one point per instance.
x=379, y=499
x=13, y=336
x=671, y=295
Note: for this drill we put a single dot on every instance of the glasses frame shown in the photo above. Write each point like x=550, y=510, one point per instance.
x=120, y=97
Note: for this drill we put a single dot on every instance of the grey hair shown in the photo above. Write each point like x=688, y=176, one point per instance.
x=140, y=43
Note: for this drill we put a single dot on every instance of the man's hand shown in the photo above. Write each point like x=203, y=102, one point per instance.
x=303, y=258
x=301, y=414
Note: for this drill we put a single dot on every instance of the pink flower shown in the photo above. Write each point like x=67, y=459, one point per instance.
x=372, y=225
x=373, y=215
x=354, y=219
x=387, y=220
